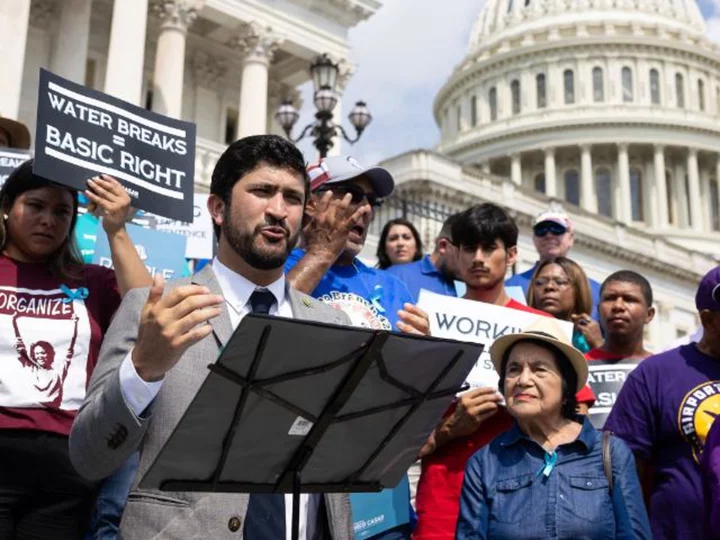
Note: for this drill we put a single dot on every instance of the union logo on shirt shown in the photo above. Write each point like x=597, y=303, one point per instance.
x=698, y=410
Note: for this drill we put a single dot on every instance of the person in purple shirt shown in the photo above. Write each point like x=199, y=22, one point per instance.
x=710, y=465
x=435, y=272
x=664, y=413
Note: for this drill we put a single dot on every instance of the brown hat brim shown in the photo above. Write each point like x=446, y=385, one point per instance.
x=18, y=133
x=574, y=356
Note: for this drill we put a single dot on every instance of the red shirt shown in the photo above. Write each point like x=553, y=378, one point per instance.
x=438, y=494
x=49, y=343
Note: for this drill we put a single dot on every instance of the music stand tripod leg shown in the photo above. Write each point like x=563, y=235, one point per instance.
x=296, y=505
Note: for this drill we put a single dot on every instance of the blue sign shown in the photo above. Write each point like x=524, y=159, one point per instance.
x=374, y=513
x=162, y=253
x=86, y=230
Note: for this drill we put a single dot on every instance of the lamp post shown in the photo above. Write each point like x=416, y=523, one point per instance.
x=324, y=74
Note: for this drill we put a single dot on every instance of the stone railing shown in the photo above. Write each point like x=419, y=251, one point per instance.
x=207, y=153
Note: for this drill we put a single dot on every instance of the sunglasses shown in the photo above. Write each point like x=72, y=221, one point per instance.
x=357, y=193
x=543, y=229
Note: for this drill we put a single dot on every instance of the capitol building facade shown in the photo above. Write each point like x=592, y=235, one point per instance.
x=607, y=108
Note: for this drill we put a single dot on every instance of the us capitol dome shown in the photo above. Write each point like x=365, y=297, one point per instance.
x=607, y=108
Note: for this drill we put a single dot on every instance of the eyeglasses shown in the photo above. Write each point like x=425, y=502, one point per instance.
x=357, y=193
x=541, y=229
x=560, y=283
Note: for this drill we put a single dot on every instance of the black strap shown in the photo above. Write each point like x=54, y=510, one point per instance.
x=607, y=458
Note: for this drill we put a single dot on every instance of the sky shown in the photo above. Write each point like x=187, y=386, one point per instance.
x=404, y=54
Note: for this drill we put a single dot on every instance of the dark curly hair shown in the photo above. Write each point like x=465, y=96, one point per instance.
x=382, y=256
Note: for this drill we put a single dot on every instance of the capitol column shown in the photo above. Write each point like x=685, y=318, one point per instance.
x=516, y=169
x=13, y=36
x=660, y=187
x=587, y=193
x=624, y=211
x=258, y=44
x=126, y=53
x=550, y=178
x=175, y=17
x=694, y=191
x=69, y=55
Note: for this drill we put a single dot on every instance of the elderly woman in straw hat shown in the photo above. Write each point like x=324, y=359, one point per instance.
x=552, y=475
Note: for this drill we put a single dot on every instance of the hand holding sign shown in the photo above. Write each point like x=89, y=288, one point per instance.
x=473, y=408
x=413, y=320
x=109, y=200
x=170, y=325
x=588, y=328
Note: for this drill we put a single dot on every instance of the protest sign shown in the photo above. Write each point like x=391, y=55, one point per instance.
x=477, y=322
x=374, y=513
x=161, y=253
x=86, y=230
x=199, y=233
x=606, y=378
x=10, y=159
x=82, y=132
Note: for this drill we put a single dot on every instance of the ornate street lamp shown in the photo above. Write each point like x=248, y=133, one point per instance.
x=324, y=74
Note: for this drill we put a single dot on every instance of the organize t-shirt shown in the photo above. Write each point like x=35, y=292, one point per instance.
x=664, y=413
x=50, y=341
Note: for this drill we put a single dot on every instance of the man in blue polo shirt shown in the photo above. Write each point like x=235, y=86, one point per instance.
x=553, y=236
x=339, y=212
x=435, y=272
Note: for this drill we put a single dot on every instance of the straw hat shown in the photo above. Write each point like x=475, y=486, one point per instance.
x=548, y=330
x=19, y=134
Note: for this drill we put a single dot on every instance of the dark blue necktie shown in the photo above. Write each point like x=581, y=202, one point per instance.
x=261, y=300
x=265, y=518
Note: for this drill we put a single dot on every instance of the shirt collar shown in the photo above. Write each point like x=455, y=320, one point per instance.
x=237, y=289
x=587, y=435
x=427, y=267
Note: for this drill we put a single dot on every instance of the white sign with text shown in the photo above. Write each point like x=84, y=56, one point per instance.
x=476, y=322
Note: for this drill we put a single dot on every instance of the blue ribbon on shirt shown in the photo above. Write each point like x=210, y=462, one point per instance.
x=74, y=294
x=376, y=298
x=548, y=465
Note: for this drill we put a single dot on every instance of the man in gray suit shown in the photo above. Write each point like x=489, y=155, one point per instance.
x=155, y=355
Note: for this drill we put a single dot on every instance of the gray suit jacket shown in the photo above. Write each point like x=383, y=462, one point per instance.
x=106, y=431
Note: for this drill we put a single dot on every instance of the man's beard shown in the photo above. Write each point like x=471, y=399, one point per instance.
x=244, y=245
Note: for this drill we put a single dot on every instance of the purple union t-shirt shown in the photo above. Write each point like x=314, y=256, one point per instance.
x=664, y=412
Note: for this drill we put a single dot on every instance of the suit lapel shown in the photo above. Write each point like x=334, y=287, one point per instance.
x=222, y=328
x=301, y=308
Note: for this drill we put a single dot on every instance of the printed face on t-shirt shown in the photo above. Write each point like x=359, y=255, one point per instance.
x=38, y=223
x=484, y=266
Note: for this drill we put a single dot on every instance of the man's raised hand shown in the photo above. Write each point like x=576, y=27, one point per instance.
x=170, y=325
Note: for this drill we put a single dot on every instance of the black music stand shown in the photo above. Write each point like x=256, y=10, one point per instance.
x=295, y=406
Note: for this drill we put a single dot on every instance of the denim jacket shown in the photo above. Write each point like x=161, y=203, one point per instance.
x=506, y=494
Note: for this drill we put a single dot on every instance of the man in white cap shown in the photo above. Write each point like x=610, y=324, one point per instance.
x=553, y=236
x=13, y=134
x=339, y=212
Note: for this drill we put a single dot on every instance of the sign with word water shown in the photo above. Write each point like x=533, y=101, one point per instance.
x=82, y=132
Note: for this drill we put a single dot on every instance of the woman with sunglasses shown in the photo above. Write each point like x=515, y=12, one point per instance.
x=54, y=311
x=553, y=236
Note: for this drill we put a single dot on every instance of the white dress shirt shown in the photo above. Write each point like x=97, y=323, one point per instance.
x=237, y=291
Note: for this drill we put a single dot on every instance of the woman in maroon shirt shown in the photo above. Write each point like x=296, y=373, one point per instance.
x=54, y=312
